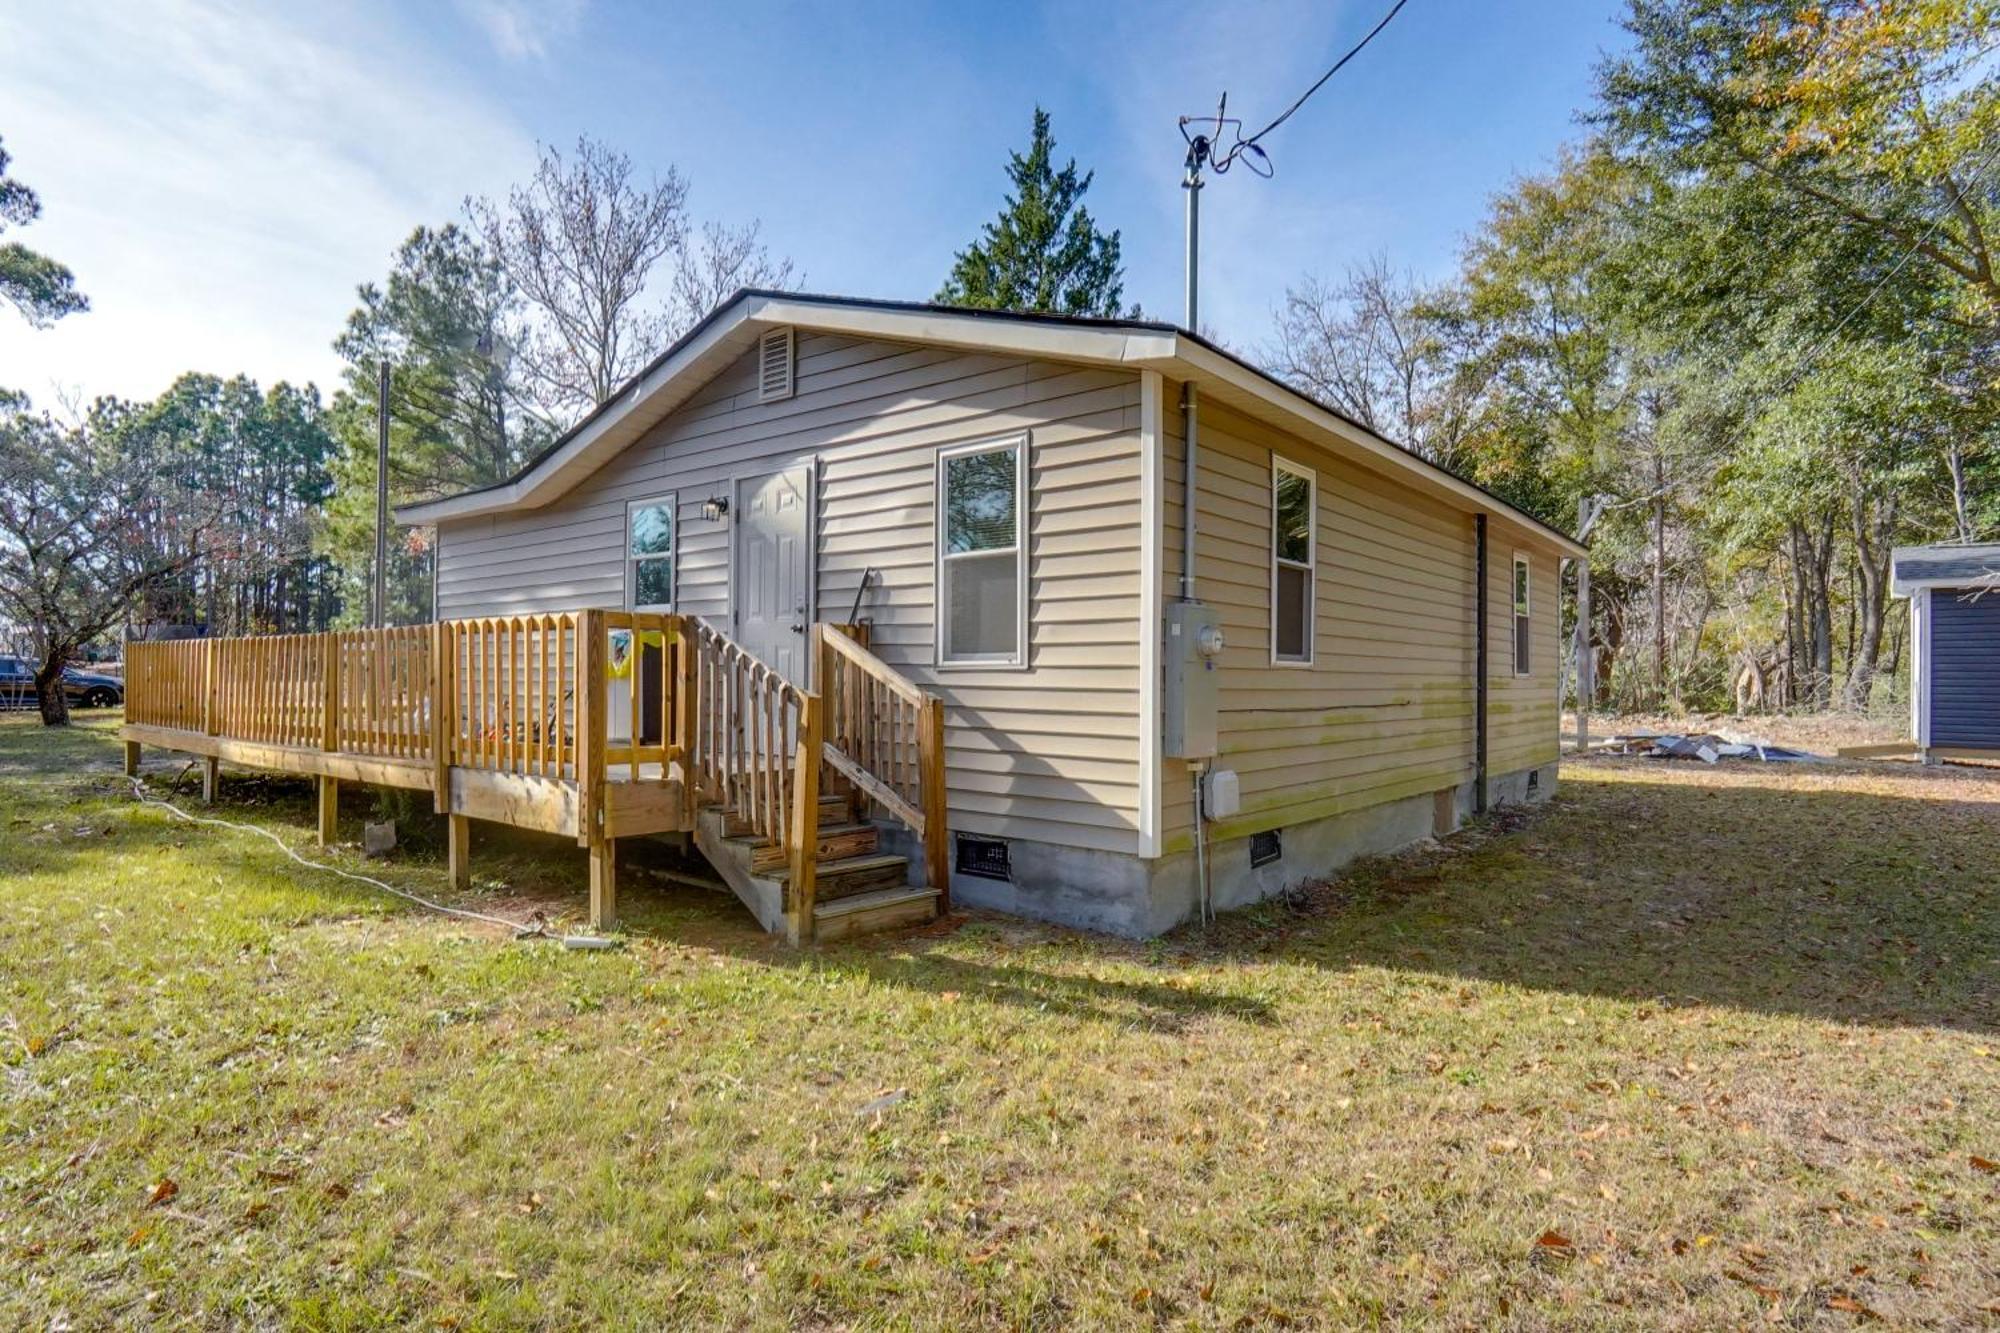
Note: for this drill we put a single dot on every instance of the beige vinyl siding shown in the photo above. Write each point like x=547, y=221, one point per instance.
x=1050, y=752
x=1385, y=710
x=1523, y=723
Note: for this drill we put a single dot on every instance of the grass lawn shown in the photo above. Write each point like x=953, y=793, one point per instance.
x=1693, y=1048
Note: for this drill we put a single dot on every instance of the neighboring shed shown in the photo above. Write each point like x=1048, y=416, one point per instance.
x=1001, y=498
x=1954, y=593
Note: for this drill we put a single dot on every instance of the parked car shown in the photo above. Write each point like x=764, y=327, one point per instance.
x=86, y=689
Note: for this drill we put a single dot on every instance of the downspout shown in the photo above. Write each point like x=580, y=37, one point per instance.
x=1479, y=666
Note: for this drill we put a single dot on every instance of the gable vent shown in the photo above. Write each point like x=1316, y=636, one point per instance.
x=774, y=366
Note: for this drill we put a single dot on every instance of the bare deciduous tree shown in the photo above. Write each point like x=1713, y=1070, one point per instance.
x=714, y=263
x=1382, y=350
x=580, y=243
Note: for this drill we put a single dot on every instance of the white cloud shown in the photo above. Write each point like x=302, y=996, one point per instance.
x=221, y=174
x=523, y=29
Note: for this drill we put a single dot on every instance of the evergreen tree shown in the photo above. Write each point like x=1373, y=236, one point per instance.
x=1044, y=252
x=37, y=286
x=445, y=320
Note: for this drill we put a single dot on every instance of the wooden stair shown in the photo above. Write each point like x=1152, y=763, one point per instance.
x=858, y=888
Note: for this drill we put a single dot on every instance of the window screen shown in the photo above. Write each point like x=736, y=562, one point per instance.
x=650, y=552
x=979, y=554
x=1291, y=563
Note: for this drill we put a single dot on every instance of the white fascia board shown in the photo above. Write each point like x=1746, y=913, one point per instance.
x=974, y=332
x=1400, y=460
x=1911, y=587
x=601, y=434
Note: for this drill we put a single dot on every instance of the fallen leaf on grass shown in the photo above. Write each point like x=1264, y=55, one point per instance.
x=163, y=1189
x=1738, y=1275
x=1986, y=1164
x=1554, y=1242
x=1849, y=1305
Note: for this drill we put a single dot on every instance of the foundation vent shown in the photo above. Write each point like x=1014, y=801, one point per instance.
x=984, y=858
x=1265, y=847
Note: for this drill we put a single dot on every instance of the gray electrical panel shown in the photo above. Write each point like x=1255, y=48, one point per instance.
x=1191, y=654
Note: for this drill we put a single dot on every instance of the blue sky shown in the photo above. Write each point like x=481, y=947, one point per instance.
x=222, y=173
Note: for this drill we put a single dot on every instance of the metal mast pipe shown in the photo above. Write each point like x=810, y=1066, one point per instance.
x=1191, y=184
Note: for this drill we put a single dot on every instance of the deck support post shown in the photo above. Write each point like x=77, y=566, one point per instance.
x=593, y=728
x=329, y=811
x=802, y=891
x=211, y=778
x=458, y=851
x=131, y=759
x=603, y=881
x=937, y=838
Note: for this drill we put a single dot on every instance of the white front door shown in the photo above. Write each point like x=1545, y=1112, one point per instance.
x=771, y=582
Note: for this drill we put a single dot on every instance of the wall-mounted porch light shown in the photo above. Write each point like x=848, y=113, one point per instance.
x=715, y=508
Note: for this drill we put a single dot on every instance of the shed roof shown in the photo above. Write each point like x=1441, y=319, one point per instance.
x=1947, y=565
x=734, y=326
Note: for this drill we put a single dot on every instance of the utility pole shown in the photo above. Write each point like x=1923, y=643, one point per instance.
x=381, y=616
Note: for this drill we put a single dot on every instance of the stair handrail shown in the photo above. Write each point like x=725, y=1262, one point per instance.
x=885, y=737
x=756, y=745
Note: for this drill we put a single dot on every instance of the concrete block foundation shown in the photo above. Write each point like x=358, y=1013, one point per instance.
x=1127, y=895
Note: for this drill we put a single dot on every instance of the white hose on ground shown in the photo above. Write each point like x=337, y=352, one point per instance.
x=521, y=930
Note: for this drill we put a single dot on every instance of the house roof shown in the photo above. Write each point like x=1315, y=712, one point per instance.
x=734, y=326
x=1948, y=565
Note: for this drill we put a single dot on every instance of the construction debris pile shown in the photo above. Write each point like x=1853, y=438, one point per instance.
x=1709, y=747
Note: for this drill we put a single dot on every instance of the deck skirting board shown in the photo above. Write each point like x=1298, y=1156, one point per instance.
x=378, y=772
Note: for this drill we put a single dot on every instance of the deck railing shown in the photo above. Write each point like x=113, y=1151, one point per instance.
x=754, y=747
x=531, y=697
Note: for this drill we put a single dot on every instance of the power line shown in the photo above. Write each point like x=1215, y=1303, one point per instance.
x=1944, y=211
x=1242, y=145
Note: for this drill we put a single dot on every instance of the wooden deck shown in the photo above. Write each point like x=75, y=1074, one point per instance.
x=594, y=724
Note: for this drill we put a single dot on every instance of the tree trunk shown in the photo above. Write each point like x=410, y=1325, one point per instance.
x=49, y=694
x=1960, y=510
x=1822, y=614
x=1659, y=579
x=1874, y=530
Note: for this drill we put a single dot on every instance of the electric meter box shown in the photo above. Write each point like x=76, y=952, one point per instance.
x=1191, y=654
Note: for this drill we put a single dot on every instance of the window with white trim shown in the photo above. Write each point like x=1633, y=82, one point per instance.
x=1523, y=634
x=982, y=575
x=649, y=554
x=1293, y=548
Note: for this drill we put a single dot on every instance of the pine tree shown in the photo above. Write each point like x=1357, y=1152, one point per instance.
x=1044, y=252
